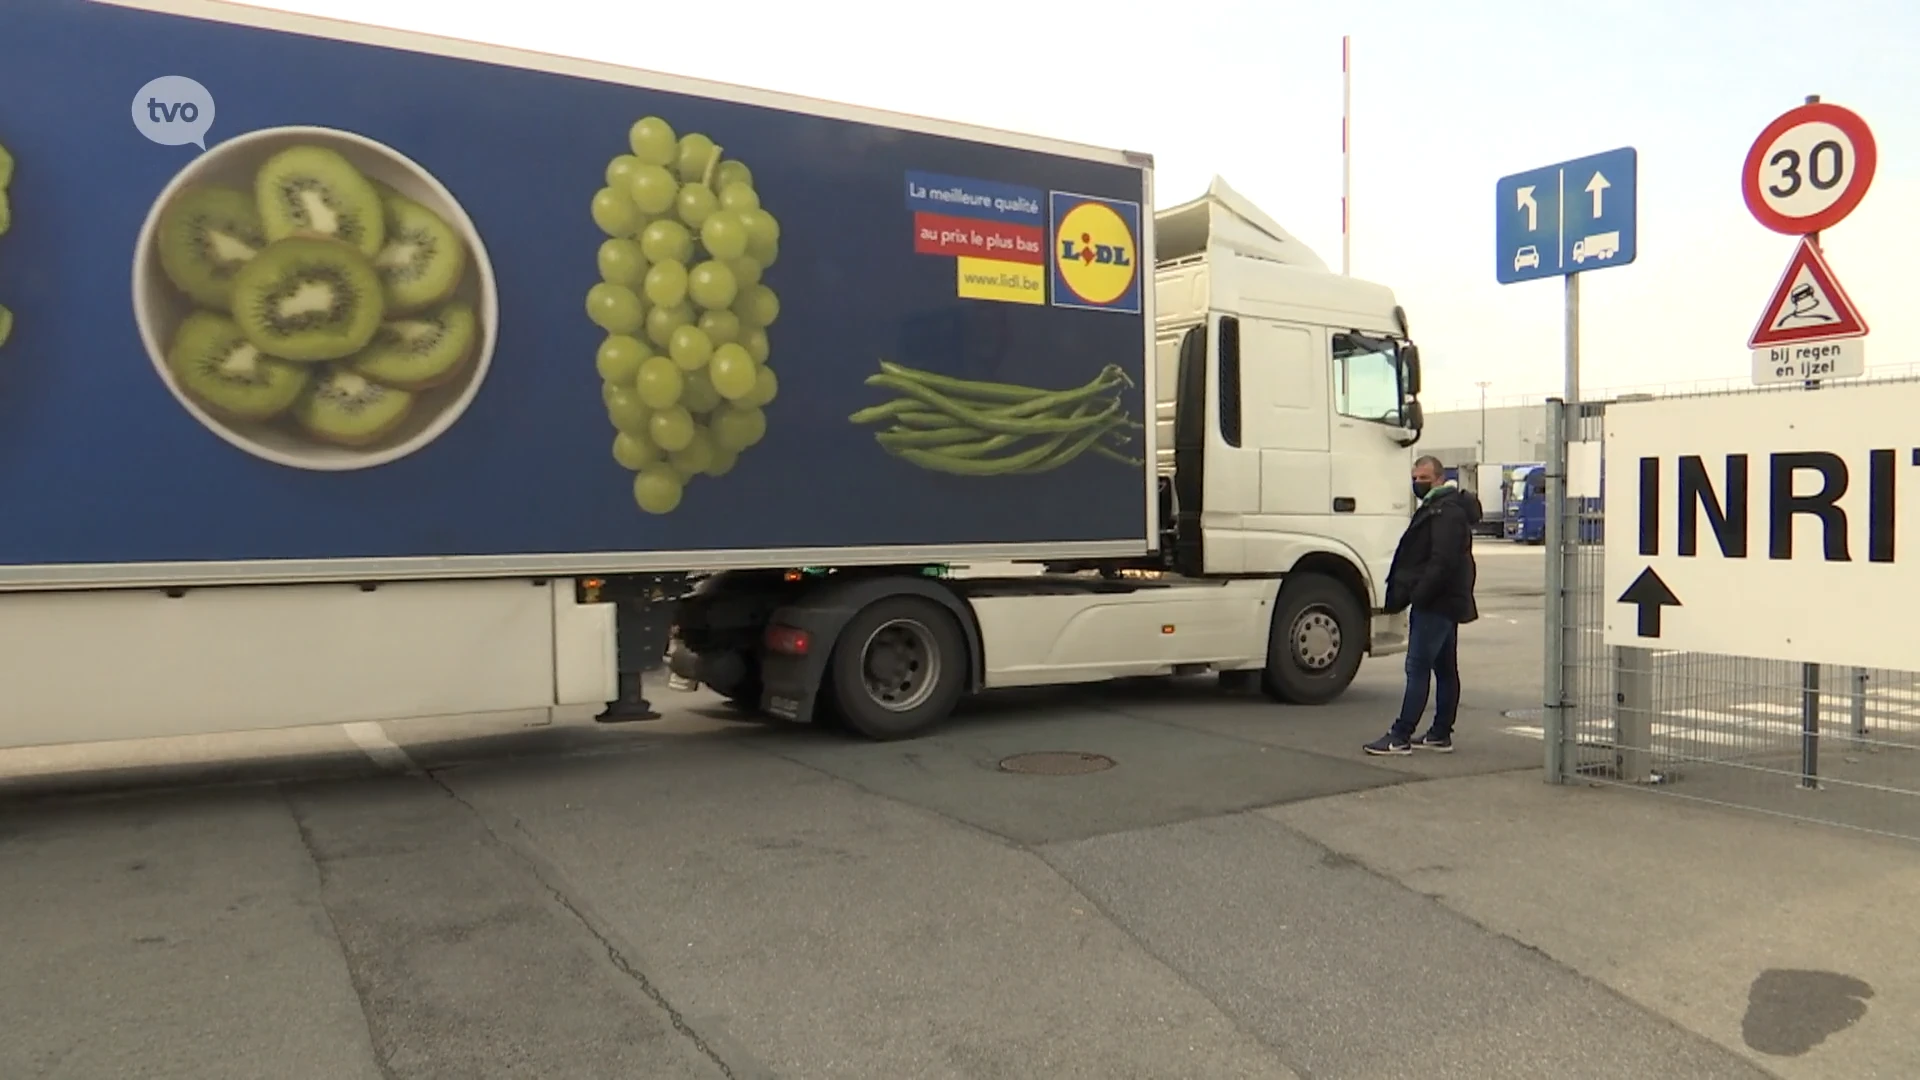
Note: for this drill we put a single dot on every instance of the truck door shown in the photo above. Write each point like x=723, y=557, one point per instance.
x=1262, y=455
x=1282, y=388
x=1371, y=492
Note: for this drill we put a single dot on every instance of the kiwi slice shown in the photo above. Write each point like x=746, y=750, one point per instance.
x=308, y=299
x=206, y=235
x=423, y=258
x=420, y=351
x=218, y=367
x=316, y=191
x=345, y=408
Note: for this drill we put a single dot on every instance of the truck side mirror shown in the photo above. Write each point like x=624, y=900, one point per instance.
x=1410, y=360
x=1414, y=419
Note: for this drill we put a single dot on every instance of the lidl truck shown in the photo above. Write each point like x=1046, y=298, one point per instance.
x=358, y=375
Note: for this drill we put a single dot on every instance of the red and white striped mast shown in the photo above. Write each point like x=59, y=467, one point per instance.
x=1346, y=153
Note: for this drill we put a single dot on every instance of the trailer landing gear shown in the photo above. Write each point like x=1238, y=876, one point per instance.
x=642, y=627
x=630, y=706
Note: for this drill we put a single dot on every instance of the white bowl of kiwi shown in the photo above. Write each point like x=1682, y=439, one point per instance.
x=315, y=298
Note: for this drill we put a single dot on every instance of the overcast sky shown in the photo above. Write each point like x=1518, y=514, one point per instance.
x=1447, y=98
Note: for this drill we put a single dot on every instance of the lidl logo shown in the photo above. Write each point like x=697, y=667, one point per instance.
x=1096, y=253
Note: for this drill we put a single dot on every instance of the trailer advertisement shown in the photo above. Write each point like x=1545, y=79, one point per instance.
x=283, y=298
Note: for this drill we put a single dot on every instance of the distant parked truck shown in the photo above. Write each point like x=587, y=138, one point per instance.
x=1486, y=484
x=1526, y=515
x=1598, y=246
x=1524, y=502
x=1484, y=481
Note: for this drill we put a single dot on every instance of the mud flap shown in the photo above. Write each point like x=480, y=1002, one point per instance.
x=790, y=685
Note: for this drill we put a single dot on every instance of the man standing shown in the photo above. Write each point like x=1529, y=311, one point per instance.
x=1433, y=574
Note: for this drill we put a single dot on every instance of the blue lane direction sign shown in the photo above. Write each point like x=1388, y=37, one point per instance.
x=1566, y=218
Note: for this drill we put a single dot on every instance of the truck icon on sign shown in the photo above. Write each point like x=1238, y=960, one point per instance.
x=1598, y=246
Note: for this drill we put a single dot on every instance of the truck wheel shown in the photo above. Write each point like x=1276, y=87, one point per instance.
x=1319, y=631
x=898, y=668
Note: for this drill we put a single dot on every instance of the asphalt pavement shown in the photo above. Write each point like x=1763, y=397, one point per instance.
x=1240, y=894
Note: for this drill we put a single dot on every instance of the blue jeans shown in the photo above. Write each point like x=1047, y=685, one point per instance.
x=1433, y=650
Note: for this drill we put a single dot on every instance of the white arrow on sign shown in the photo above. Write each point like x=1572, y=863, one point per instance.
x=1532, y=208
x=1595, y=187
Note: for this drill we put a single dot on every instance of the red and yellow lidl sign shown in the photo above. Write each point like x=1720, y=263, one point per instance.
x=1096, y=253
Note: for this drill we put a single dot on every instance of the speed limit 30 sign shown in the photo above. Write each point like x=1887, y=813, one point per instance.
x=1809, y=169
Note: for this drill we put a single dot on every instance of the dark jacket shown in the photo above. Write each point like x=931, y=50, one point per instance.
x=1433, y=567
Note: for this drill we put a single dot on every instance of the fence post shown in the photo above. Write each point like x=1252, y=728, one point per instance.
x=1810, y=726
x=1633, y=714
x=1554, y=723
x=1858, y=706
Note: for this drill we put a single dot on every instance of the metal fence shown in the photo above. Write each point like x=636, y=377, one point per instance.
x=1835, y=745
x=1898, y=372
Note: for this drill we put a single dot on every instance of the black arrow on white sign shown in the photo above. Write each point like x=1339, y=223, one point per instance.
x=1650, y=594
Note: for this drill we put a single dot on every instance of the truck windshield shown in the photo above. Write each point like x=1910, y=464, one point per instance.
x=1366, y=379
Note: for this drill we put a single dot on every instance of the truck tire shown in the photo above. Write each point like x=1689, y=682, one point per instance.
x=898, y=668
x=1314, y=649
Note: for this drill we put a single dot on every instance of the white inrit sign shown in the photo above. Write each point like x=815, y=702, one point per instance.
x=1809, y=328
x=1779, y=525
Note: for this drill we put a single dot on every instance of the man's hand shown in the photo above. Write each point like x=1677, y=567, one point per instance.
x=1397, y=600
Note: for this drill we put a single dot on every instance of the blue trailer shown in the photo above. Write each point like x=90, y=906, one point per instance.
x=357, y=374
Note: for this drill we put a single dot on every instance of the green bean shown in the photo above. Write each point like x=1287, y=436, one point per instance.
x=1006, y=393
x=987, y=421
x=1048, y=401
x=1108, y=451
x=1078, y=447
x=882, y=412
x=922, y=417
x=1077, y=399
x=946, y=436
x=964, y=444
x=977, y=450
x=959, y=466
x=910, y=413
x=995, y=391
x=956, y=439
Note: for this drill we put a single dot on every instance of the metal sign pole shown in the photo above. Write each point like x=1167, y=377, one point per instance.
x=1573, y=341
x=1810, y=673
x=1554, y=721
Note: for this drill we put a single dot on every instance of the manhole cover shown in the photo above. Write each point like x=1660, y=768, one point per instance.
x=1523, y=714
x=1057, y=763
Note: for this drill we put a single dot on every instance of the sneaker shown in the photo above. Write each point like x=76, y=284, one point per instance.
x=1387, y=744
x=1442, y=743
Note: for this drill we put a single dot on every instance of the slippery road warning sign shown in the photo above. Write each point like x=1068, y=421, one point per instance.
x=1810, y=328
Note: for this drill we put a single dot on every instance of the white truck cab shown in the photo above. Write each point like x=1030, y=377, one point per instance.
x=1286, y=404
x=1310, y=393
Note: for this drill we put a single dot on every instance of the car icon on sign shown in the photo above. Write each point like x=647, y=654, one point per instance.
x=1527, y=258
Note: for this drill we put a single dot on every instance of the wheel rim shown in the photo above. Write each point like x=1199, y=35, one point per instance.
x=1316, y=639
x=900, y=665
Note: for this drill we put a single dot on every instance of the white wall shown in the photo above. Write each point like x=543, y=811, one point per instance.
x=1514, y=433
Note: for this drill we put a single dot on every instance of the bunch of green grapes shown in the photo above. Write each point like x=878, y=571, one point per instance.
x=684, y=364
x=6, y=222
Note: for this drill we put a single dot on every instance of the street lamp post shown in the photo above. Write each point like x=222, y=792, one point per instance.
x=1482, y=455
